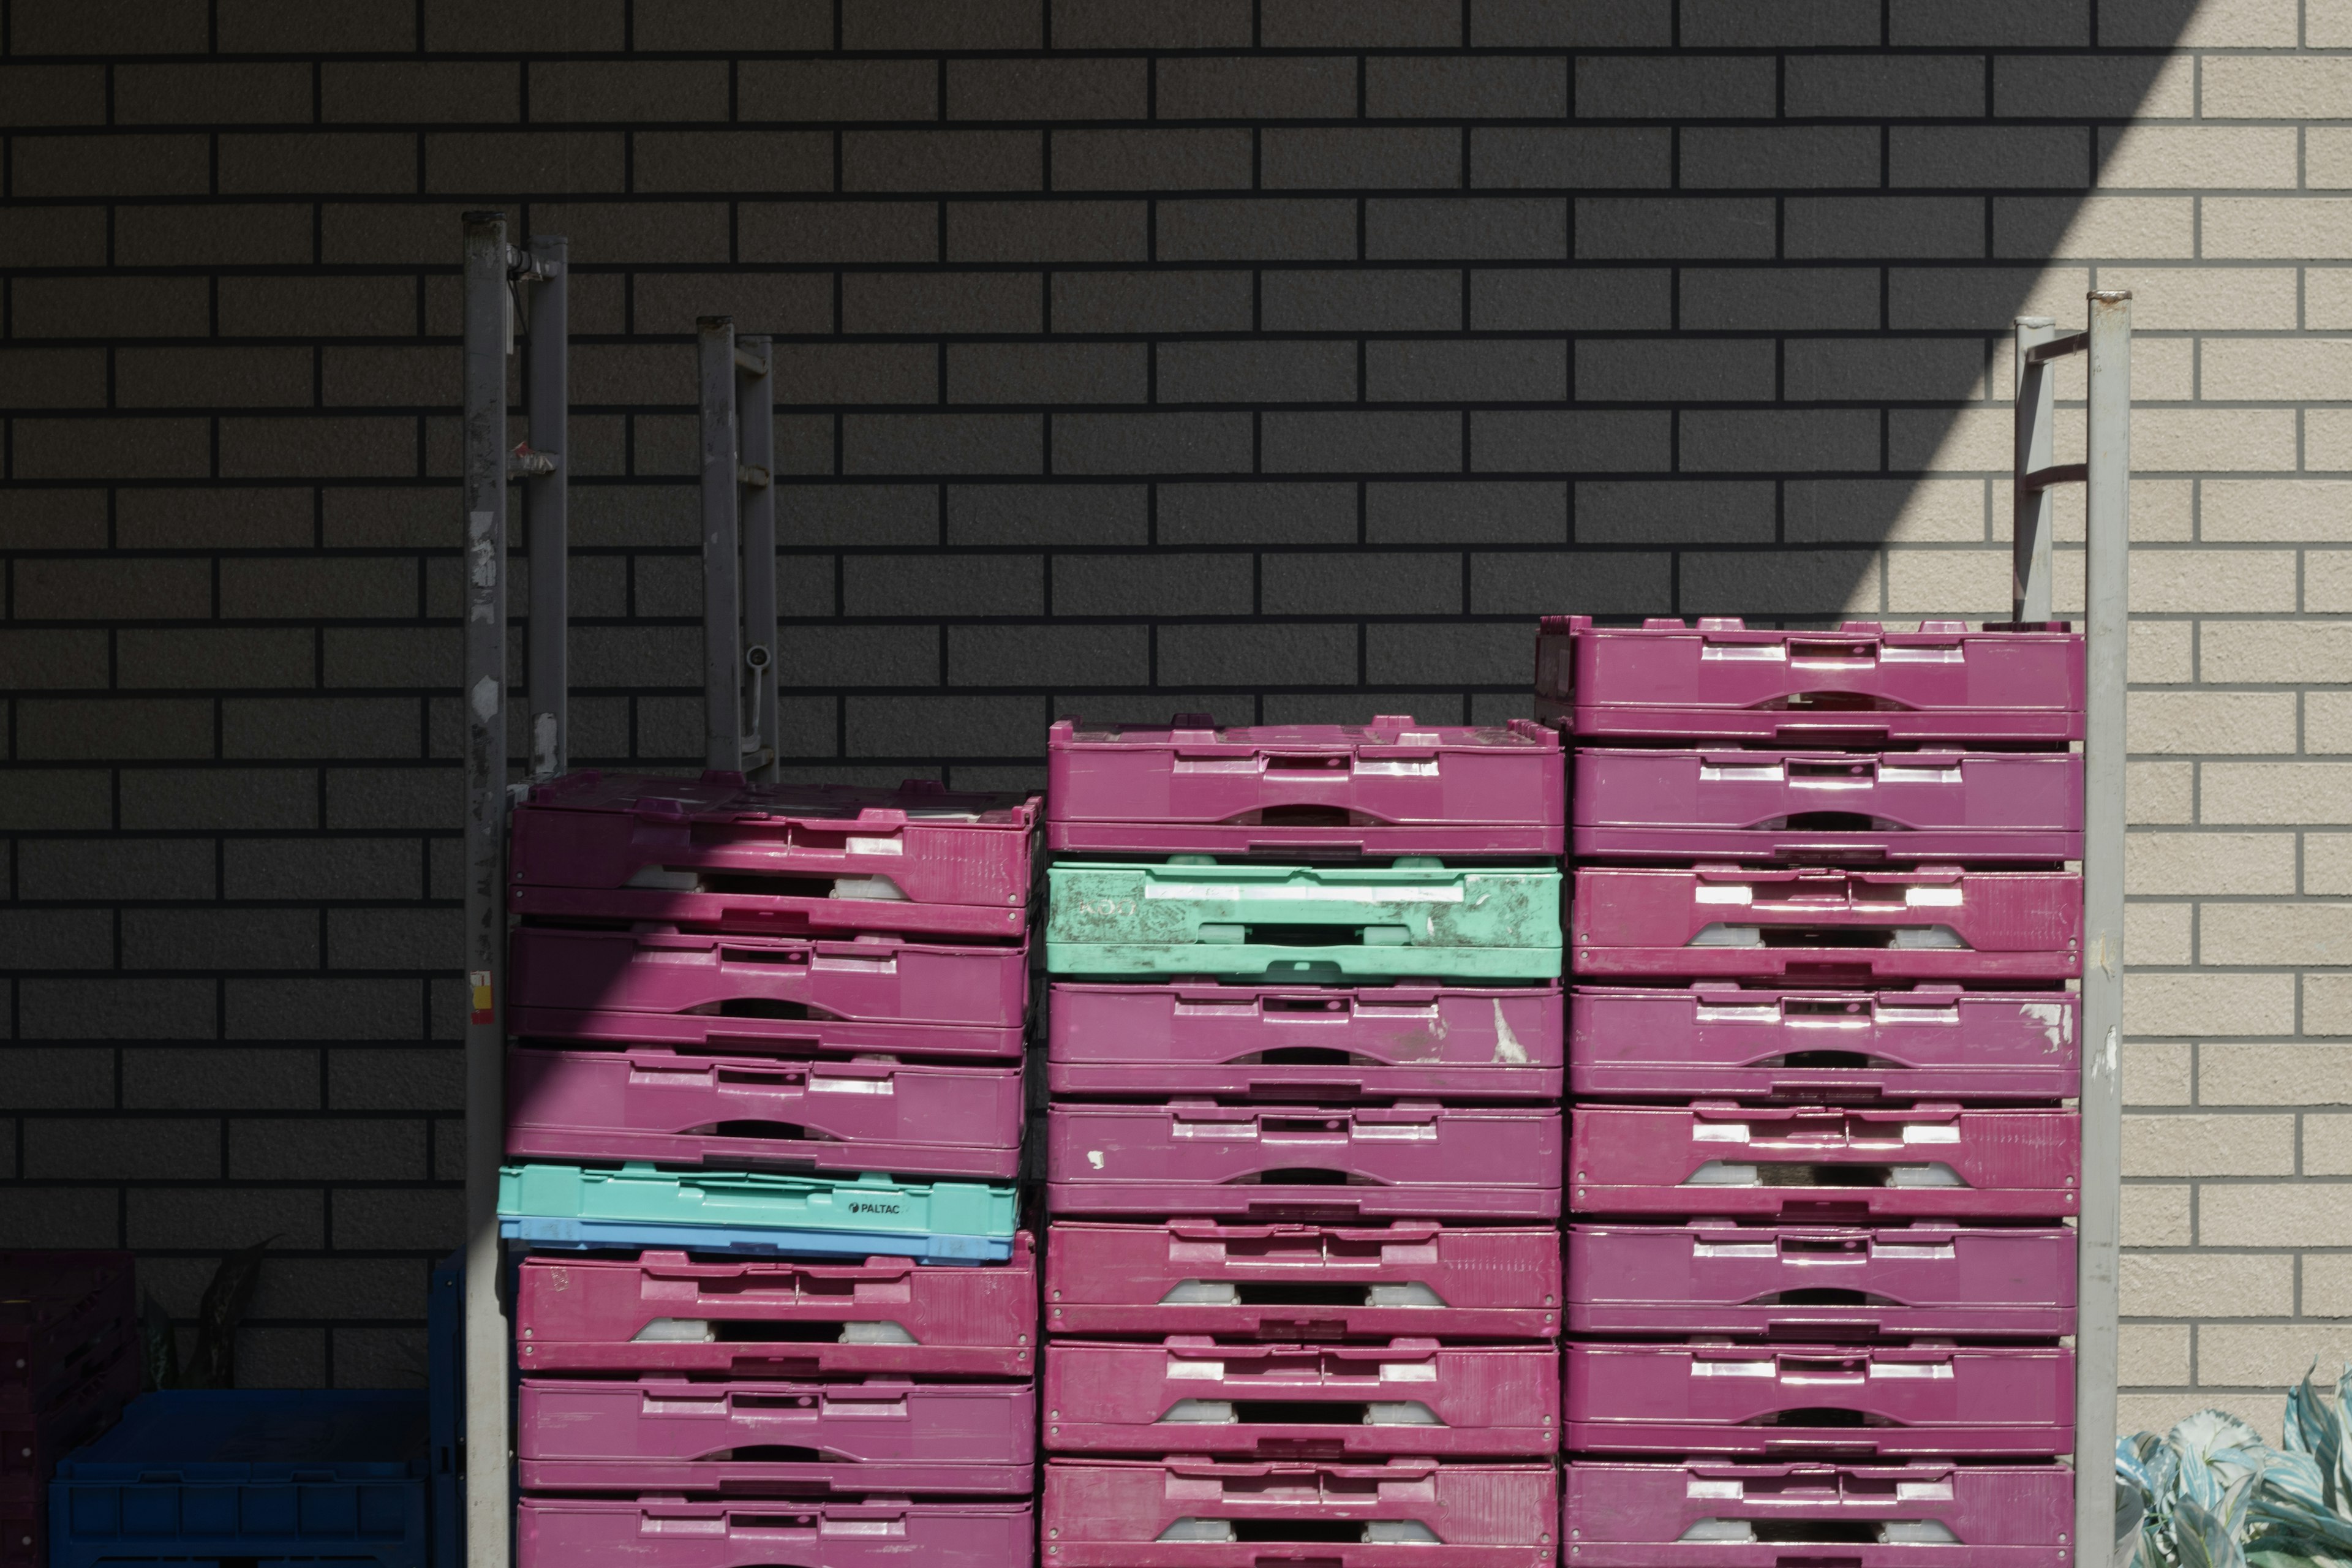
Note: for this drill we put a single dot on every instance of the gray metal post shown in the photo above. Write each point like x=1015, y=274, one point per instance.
x=722, y=683
x=547, y=391
x=755, y=435
x=488, y=263
x=2107, y=510
x=2031, y=524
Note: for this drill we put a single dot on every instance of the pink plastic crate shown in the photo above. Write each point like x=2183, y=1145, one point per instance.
x=1926, y=1042
x=1975, y=807
x=878, y=1435
x=1716, y=1276
x=33, y=1441
x=1392, y=787
x=786, y=858
x=64, y=1316
x=1828, y=927
x=1413, y=1279
x=1859, y=686
x=1917, y=1401
x=1199, y=1395
x=1700, y=1515
x=652, y=1103
x=1409, y=1161
x=1301, y=1042
x=1210, y=1513
x=762, y=1318
x=762, y=994
x=1923, y=1161
x=762, y=1532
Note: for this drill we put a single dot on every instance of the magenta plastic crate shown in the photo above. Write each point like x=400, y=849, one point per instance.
x=1934, y=1042
x=1700, y=1515
x=64, y=1317
x=1390, y=787
x=762, y=1532
x=1828, y=926
x=789, y=858
x=1413, y=1278
x=1199, y=1395
x=877, y=1435
x=1717, y=1277
x=1859, y=686
x=786, y=994
x=1299, y=1042
x=1923, y=1161
x=1230, y=1513
x=1917, y=1401
x=1408, y=1161
x=762, y=1318
x=652, y=1103
x=33, y=1441
x=1635, y=804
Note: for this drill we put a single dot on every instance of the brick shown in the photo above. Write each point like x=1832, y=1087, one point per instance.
x=1783, y=582
x=1466, y=511
x=1096, y=89
x=68, y=95
x=217, y=92
x=941, y=161
x=1151, y=443
x=1336, y=157
x=2274, y=86
x=2326, y=1005
x=109, y=27
x=109, y=307
x=61, y=1077
x=571, y=162
x=2225, y=721
x=118, y=590
x=1995, y=155
x=2002, y=22
x=114, y=868
x=956, y=726
x=213, y=657
x=1153, y=160
x=322, y=1009
x=2327, y=24
x=2172, y=299
x=345, y=1150
x=1288, y=229
x=1046, y=373
x=2156, y=1215
x=2326, y=863
x=725, y=162
x=1483, y=371
x=941, y=302
x=716, y=25
x=141, y=1149
x=1048, y=656
x=336, y=446
x=1568, y=581
x=52, y=378
x=391, y=656
x=1154, y=585
x=942, y=584
x=2327, y=441
x=212, y=377
x=2189, y=580
x=1360, y=584
x=1711, y=511
x=1562, y=299
x=1649, y=371
x=1778, y=441
x=2236, y=1145
x=855, y=373
x=304, y=26
x=1541, y=24
x=1511, y=441
x=943, y=444
x=1887, y=87
x=110, y=1009
x=2119, y=87
x=1424, y=87
x=314, y=307
x=1799, y=157
x=1635, y=87
x=823, y=90
x=321, y=868
x=110, y=449
x=2284, y=227
x=2160, y=934
x=1117, y=24
x=1420, y=652
x=1893, y=226
x=2205, y=1004
x=1345, y=24
x=1734, y=23
x=327, y=728
x=237, y=234
x=2326, y=1286
x=220, y=939
x=1557, y=157
x=1156, y=302
x=856, y=514
x=1663, y=227
x=2268, y=1354
x=53, y=237
x=408, y=797
x=115, y=165
x=1937, y=370
x=394, y=939
x=942, y=24
x=2193, y=438
x=410, y=93
x=619, y=655
x=2152, y=1353
x=55, y=520
x=1253, y=513
x=1267, y=371
x=1791, y=299
x=1257, y=654
x=514, y=26
x=1399, y=443
x=2181, y=155
x=1047, y=231
x=2277, y=652
x=2301, y=933
x=57, y=939
x=1047, y=514
x=1244, y=87
x=1361, y=301
x=2226, y=23
x=629, y=91
x=392, y=1219
x=2327, y=160
x=322, y=589
x=760, y=302
x=55, y=798
x=1479, y=229
x=376, y=163
x=2272, y=370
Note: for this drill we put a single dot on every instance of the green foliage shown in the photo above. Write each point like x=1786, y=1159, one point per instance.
x=2211, y=1494
x=212, y=1361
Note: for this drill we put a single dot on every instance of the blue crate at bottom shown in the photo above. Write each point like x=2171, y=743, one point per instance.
x=266, y=1474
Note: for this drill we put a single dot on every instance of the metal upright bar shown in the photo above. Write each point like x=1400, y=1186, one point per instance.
x=755, y=435
x=722, y=666
x=2107, y=510
x=487, y=338
x=546, y=393
x=2031, y=504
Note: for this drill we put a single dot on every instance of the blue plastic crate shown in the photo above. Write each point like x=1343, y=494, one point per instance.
x=271, y=1475
x=444, y=1397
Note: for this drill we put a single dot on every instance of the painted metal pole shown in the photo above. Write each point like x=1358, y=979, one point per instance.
x=2031, y=522
x=755, y=435
x=722, y=683
x=488, y=341
x=2107, y=510
x=547, y=390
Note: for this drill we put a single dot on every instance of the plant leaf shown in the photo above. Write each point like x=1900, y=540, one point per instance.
x=214, y=1363
x=158, y=1349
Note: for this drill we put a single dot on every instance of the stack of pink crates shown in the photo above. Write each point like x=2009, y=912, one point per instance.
x=1820, y=1044
x=787, y=1024
x=68, y=1363
x=1303, y=1276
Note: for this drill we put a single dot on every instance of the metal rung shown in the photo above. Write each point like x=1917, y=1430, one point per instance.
x=751, y=363
x=2056, y=474
x=2058, y=348
x=751, y=477
x=524, y=462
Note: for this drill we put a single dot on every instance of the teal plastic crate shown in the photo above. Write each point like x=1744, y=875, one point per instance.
x=744, y=1211
x=1250, y=921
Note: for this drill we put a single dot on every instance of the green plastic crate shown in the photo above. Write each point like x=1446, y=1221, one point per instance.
x=1251, y=920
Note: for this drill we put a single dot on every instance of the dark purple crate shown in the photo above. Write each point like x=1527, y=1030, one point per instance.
x=1304, y=1042
x=652, y=1103
x=1860, y=686
x=1925, y=1042
x=1718, y=1276
x=1922, y=1401
x=1968, y=807
x=1413, y=1278
x=64, y=1316
x=1390, y=787
x=1709, y=1513
x=763, y=1533
x=1828, y=927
